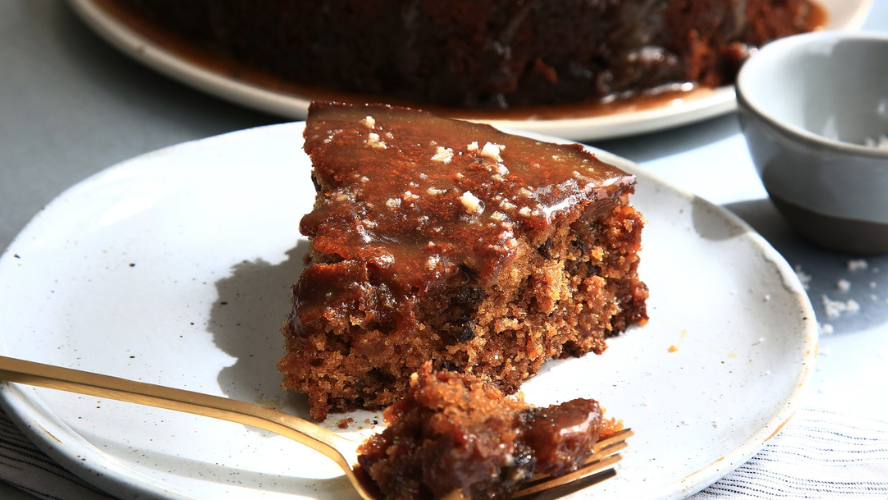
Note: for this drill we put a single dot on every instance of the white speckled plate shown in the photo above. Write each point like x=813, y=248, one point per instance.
x=844, y=15
x=173, y=268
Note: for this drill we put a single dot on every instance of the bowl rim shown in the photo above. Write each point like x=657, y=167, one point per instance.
x=780, y=49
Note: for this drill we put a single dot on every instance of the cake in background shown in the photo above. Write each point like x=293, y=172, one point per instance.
x=486, y=53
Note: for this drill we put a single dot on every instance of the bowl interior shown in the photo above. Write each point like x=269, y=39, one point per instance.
x=832, y=85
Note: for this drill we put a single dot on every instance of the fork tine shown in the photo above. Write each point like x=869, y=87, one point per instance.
x=618, y=437
x=584, y=471
x=556, y=492
x=604, y=457
x=587, y=471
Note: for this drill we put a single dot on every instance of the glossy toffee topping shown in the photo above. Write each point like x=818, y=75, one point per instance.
x=410, y=200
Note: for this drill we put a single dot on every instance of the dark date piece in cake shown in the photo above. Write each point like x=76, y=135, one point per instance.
x=454, y=433
x=452, y=242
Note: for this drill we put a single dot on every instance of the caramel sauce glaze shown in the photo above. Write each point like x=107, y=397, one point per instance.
x=410, y=201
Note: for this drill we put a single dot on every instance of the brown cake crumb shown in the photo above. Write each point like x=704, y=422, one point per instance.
x=511, y=252
x=454, y=432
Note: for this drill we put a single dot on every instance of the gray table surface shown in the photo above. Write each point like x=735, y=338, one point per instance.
x=71, y=106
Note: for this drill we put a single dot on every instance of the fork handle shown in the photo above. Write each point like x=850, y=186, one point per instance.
x=335, y=447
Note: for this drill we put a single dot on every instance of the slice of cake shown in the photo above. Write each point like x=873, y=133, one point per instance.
x=454, y=433
x=452, y=242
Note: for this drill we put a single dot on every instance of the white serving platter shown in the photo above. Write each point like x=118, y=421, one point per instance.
x=173, y=268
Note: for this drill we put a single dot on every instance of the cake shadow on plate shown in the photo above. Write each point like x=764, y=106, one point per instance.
x=245, y=321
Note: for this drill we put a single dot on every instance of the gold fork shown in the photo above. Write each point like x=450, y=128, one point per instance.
x=337, y=448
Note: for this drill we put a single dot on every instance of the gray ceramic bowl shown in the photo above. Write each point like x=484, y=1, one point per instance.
x=808, y=104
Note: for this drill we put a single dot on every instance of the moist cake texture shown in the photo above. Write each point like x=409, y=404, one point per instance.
x=454, y=433
x=451, y=242
x=486, y=53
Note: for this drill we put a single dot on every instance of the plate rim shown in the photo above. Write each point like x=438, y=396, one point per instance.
x=119, y=479
x=711, y=473
x=721, y=101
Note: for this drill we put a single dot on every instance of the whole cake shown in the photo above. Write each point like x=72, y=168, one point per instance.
x=486, y=53
x=452, y=242
x=454, y=433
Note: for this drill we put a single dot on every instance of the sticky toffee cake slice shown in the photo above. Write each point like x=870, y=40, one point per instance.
x=452, y=242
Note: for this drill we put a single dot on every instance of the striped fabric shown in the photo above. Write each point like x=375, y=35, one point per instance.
x=24, y=466
x=820, y=454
